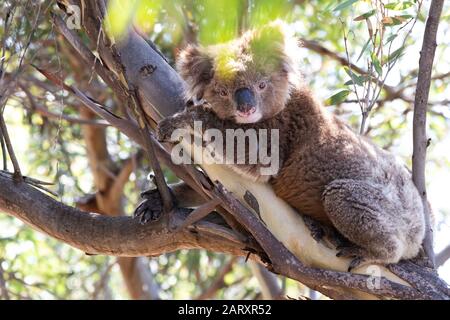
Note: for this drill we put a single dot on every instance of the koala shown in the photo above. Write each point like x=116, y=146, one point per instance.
x=327, y=171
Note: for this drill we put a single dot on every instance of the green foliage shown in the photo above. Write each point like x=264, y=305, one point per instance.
x=221, y=22
x=399, y=5
x=265, y=51
x=337, y=97
x=218, y=21
x=265, y=11
x=344, y=4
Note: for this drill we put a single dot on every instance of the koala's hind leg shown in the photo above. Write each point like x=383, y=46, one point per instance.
x=325, y=233
x=362, y=213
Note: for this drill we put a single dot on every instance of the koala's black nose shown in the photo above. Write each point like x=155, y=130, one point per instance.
x=245, y=99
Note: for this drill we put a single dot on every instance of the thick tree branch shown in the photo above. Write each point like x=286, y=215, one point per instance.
x=420, y=140
x=116, y=236
x=443, y=256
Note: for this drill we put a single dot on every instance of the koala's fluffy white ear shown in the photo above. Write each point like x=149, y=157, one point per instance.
x=196, y=68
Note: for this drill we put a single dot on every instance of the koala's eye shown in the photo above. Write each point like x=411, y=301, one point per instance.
x=223, y=92
x=262, y=85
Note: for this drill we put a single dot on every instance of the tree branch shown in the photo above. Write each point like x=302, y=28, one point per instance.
x=218, y=282
x=270, y=288
x=443, y=256
x=323, y=51
x=116, y=236
x=420, y=140
x=43, y=111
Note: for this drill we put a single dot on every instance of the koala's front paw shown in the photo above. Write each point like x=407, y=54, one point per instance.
x=164, y=130
x=167, y=126
x=150, y=208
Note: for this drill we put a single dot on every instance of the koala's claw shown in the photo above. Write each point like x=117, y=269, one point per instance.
x=326, y=233
x=348, y=251
x=164, y=130
x=354, y=252
x=315, y=228
x=356, y=262
x=150, y=208
x=168, y=125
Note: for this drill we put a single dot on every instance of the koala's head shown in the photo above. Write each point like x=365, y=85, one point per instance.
x=245, y=80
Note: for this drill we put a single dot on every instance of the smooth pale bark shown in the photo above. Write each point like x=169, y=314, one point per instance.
x=420, y=139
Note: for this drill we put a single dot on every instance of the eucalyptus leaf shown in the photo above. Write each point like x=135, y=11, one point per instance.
x=365, y=15
x=344, y=5
x=338, y=97
x=377, y=64
x=366, y=45
x=399, y=5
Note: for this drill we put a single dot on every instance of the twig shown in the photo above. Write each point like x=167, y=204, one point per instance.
x=218, y=282
x=199, y=213
x=88, y=57
x=399, y=93
x=3, y=290
x=144, y=128
x=103, y=281
x=2, y=143
x=420, y=140
x=28, y=179
x=443, y=256
x=32, y=182
x=268, y=282
x=361, y=104
x=370, y=94
x=9, y=147
x=320, y=49
x=43, y=111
